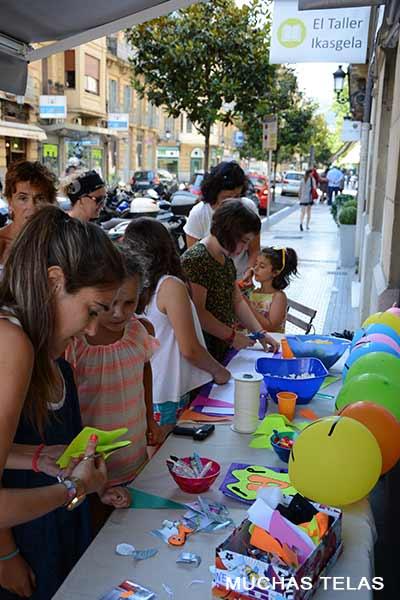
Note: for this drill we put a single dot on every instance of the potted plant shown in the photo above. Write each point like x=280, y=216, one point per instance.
x=347, y=233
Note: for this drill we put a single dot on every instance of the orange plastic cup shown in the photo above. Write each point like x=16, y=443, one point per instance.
x=287, y=404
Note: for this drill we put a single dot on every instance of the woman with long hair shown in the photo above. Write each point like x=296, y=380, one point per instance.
x=60, y=275
x=181, y=363
x=306, y=198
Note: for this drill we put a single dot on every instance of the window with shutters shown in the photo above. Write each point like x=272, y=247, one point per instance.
x=112, y=96
x=92, y=74
x=69, y=68
x=127, y=99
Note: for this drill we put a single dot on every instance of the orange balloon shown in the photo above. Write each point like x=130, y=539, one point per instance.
x=384, y=427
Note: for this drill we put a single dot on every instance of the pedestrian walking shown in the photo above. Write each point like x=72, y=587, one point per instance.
x=306, y=198
x=335, y=183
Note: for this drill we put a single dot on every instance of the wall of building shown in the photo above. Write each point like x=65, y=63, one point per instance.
x=379, y=264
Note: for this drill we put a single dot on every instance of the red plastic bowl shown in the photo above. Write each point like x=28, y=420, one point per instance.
x=196, y=485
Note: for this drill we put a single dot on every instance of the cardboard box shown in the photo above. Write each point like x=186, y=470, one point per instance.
x=249, y=573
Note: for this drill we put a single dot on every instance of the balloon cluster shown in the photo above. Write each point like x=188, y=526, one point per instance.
x=338, y=460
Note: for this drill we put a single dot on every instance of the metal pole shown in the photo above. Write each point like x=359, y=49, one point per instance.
x=269, y=179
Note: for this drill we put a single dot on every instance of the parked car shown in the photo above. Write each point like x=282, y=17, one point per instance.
x=168, y=180
x=163, y=182
x=291, y=183
x=261, y=187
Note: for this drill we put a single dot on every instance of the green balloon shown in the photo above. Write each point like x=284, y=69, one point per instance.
x=378, y=363
x=371, y=387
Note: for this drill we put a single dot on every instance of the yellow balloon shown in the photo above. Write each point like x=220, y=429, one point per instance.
x=375, y=318
x=335, y=460
x=391, y=320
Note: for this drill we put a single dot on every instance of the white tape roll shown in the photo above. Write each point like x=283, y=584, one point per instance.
x=247, y=402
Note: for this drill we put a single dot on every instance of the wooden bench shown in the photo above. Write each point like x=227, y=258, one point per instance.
x=305, y=325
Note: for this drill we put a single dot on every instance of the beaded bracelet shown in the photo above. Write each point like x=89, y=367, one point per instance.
x=11, y=555
x=35, y=458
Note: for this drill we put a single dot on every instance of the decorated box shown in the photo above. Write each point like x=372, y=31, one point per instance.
x=248, y=572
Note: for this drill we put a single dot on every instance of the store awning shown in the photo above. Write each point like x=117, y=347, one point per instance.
x=22, y=130
x=24, y=23
x=79, y=130
x=326, y=4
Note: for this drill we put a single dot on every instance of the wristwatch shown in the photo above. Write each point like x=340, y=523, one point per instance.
x=76, y=491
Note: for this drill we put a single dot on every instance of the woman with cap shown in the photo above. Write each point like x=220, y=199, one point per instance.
x=87, y=194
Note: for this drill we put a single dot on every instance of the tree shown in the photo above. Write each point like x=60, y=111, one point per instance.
x=203, y=58
x=299, y=125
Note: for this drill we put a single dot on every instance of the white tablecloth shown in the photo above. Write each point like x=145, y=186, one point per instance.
x=100, y=568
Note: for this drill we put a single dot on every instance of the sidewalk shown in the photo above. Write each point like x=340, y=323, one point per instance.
x=321, y=284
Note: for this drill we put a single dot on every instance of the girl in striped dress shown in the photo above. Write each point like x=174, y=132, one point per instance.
x=114, y=380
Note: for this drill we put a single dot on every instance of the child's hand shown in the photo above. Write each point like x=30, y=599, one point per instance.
x=269, y=343
x=222, y=376
x=241, y=341
x=155, y=435
x=118, y=497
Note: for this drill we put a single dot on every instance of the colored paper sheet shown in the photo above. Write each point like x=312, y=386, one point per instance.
x=308, y=413
x=106, y=444
x=193, y=416
x=144, y=500
x=242, y=481
x=329, y=380
x=202, y=401
x=260, y=441
x=217, y=410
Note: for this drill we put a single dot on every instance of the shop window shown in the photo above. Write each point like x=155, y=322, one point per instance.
x=69, y=67
x=92, y=74
x=15, y=149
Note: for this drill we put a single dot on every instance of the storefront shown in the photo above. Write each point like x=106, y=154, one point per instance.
x=18, y=141
x=168, y=158
x=196, y=160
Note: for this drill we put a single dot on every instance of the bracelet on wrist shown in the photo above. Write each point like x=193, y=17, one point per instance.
x=231, y=337
x=10, y=555
x=76, y=492
x=35, y=458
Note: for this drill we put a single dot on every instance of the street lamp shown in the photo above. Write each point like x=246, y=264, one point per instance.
x=339, y=77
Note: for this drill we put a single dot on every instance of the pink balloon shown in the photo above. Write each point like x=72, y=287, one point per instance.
x=394, y=310
x=379, y=337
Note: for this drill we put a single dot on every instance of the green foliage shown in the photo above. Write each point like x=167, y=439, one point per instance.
x=348, y=215
x=198, y=59
x=342, y=201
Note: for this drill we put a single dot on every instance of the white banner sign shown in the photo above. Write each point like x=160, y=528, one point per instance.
x=53, y=107
x=351, y=130
x=339, y=35
x=118, y=121
x=270, y=133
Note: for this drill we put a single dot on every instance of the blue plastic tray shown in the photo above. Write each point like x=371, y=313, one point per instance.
x=327, y=348
x=276, y=371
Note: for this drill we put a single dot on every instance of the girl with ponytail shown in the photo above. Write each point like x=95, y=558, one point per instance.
x=273, y=270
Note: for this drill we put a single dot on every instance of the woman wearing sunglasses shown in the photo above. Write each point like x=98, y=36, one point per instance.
x=87, y=194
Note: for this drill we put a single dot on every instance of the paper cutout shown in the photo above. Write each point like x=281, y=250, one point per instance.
x=264, y=541
x=308, y=413
x=329, y=381
x=142, y=499
x=190, y=416
x=242, y=481
x=203, y=401
x=106, y=444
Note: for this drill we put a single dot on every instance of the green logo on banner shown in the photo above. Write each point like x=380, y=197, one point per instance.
x=292, y=33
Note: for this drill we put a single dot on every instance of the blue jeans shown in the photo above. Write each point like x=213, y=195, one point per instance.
x=332, y=190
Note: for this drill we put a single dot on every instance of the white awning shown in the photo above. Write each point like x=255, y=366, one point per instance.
x=25, y=22
x=22, y=130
